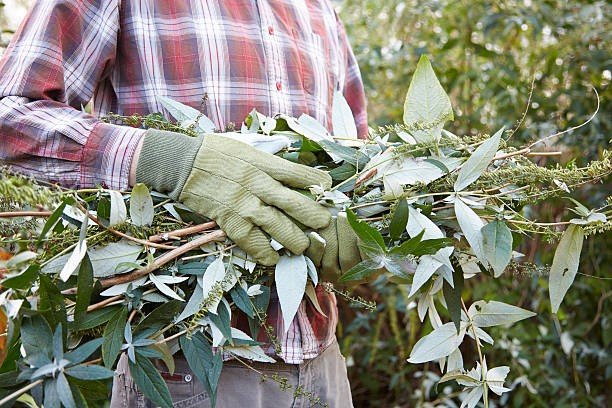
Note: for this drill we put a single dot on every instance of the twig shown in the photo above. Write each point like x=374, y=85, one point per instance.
x=164, y=259
x=210, y=253
x=520, y=122
x=129, y=237
x=572, y=128
x=20, y=391
x=598, y=314
x=25, y=214
x=182, y=232
x=544, y=153
x=103, y=303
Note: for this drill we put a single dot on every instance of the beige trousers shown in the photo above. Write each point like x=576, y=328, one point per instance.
x=320, y=382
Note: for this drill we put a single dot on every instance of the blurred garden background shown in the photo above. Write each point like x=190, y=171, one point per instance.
x=540, y=61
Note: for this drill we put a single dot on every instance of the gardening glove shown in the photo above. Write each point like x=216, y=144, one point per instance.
x=246, y=191
x=334, y=249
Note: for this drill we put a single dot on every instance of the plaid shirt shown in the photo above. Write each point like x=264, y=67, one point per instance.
x=222, y=57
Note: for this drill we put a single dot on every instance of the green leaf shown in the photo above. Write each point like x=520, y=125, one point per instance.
x=52, y=305
x=160, y=316
x=141, y=206
x=222, y=321
x=426, y=101
x=399, y=220
x=343, y=122
x=187, y=116
x=85, y=283
x=199, y=356
x=478, y=161
x=64, y=392
x=36, y=338
x=348, y=154
x=97, y=317
x=242, y=300
x=343, y=172
x=23, y=280
x=118, y=211
x=90, y=372
x=290, y=275
x=369, y=235
x=497, y=245
x=113, y=337
x=452, y=295
x=439, y=343
x=52, y=399
x=493, y=313
x=57, y=213
x=83, y=351
x=150, y=381
x=471, y=226
x=360, y=271
x=565, y=265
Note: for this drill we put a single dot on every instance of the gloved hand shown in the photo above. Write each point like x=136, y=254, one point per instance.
x=334, y=249
x=244, y=190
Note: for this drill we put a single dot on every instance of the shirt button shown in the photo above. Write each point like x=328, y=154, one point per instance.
x=279, y=86
x=188, y=378
x=270, y=30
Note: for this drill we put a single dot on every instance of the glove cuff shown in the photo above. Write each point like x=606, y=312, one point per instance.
x=166, y=160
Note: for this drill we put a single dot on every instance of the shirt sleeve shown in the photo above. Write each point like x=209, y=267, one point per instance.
x=353, y=84
x=50, y=70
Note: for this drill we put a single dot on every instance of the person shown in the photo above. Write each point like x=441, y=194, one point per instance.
x=224, y=58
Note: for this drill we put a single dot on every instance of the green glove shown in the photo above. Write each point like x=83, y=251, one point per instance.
x=334, y=249
x=244, y=190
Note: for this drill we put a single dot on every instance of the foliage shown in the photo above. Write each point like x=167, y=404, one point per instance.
x=490, y=54
x=435, y=211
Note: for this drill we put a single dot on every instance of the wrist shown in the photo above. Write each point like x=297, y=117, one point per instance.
x=165, y=161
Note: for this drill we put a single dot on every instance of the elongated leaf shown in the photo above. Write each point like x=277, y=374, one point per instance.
x=452, y=295
x=223, y=322
x=417, y=222
x=113, y=337
x=141, y=206
x=424, y=271
x=439, y=343
x=193, y=305
x=23, y=280
x=290, y=276
x=242, y=300
x=493, y=313
x=118, y=211
x=497, y=245
x=57, y=213
x=254, y=353
x=349, y=155
x=187, y=116
x=150, y=381
x=97, y=317
x=74, y=261
x=400, y=219
x=52, y=399
x=64, y=392
x=360, y=271
x=565, y=265
x=90, y=372
x=426, y=101
x=471, y=226
x=85, y=283
x=369, y=235
x=115, y=258
x=36, y=338
x=199, y=356
x=83, y=351
x=163, y=288
x=52, y=303
x=478, y=161
x=343, y=122
x=160, y=316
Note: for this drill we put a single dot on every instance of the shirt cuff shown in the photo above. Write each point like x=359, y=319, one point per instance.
x=107, y=156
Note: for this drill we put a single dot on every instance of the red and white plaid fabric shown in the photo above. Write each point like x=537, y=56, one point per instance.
x=222, y=57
